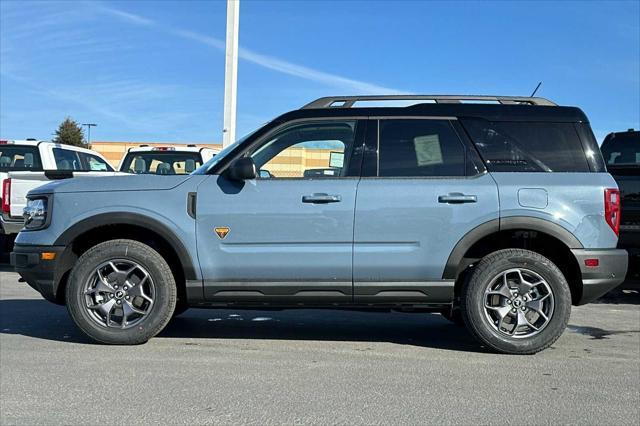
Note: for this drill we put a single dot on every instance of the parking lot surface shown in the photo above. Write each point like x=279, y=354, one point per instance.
x=304, y=366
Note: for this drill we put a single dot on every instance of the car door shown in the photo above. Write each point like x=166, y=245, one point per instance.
x=286, y=236
x=422, y=190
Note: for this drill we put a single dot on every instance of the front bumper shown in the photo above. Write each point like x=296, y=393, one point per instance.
x=610, y=272
x=10, y=226
x=42, y=275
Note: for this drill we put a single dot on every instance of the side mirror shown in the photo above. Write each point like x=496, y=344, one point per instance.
x=242, y=169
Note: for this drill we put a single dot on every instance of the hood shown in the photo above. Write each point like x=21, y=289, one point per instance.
x=112, y=183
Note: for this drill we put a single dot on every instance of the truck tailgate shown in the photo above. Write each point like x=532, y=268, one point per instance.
x=23, y=182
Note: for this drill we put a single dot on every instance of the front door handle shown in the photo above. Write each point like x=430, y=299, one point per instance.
x=321, y=198
x=457, y=198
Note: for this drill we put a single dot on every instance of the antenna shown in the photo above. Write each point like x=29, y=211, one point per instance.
x=536, y=89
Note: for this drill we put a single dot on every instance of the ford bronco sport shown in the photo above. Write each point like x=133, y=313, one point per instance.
x=495, y=211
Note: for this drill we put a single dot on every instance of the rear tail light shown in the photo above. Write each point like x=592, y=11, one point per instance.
x=612, y=209
x=592, y=263
x=6, y=196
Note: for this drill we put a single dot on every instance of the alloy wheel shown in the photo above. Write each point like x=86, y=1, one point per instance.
x=119, y=294
x=518, y=303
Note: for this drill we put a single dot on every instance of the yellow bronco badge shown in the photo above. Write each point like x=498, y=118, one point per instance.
x=222, y=232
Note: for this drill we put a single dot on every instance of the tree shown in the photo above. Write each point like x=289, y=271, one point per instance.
x=69, y=132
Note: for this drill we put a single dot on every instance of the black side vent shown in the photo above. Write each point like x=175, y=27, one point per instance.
x=191, y=204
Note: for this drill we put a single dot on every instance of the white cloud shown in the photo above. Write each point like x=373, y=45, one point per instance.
x=127, y=17
x=266, y=61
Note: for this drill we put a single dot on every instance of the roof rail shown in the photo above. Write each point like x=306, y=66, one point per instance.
x=348, y=101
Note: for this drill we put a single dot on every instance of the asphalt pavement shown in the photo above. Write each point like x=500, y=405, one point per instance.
x=313, y=367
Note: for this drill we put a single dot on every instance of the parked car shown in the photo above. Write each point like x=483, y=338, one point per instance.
x=621, y=152
x=502, y=210
x=27, y=164
x=165, y=160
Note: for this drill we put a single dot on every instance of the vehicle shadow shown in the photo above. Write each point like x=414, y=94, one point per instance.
x=40, y=319
x=627, y=293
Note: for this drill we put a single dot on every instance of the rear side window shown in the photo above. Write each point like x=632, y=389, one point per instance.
x=94, y=163
x=419, y=148
x=66, y=159
x=528, y=147
x=622, y=149
x=19, y=158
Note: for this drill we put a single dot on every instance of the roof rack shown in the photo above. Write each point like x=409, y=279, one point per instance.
x=348, y=101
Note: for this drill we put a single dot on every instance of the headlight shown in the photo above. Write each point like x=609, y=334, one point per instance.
x=35, y=213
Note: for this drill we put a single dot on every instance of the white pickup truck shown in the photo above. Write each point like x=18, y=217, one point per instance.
x=165, y=160
x=28, y=164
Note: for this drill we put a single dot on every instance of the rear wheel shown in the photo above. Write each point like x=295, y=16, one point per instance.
x=121, y=292
x=517, y=302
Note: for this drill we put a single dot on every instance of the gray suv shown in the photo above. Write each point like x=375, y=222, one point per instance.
x=497, y=212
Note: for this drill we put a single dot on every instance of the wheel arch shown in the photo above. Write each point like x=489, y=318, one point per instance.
x=108, y=226
x=542, y=236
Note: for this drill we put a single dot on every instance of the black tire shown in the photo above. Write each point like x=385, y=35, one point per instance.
x=163, y=304
x=473, y=301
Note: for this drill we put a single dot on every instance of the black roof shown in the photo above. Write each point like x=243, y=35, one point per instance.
x=491, y=112
x=630, y=135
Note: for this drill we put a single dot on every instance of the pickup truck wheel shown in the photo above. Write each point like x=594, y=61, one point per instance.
x=121, y=292
x=516, y=302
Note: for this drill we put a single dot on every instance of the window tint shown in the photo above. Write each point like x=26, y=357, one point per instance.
x=161, y=162
x=19, y=158
x=66, y=159
x=315, y=150
x=420, y=148
x=622, y=149
x=528, y=147
x=94, y=163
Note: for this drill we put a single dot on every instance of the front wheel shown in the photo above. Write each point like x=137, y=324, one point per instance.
x=516, y=302
x=121, y=292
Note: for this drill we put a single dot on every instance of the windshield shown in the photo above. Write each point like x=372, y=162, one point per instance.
x=161, y=162
x=219, y=156
x=622, y=149
x=19, y=158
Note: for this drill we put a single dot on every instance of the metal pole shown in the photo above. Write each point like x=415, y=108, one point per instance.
x=231, y=73
x=89, y=126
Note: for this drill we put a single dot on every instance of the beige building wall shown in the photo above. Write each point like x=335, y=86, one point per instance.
x=290, y=163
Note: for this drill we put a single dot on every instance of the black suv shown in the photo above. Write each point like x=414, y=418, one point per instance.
x=621, y=151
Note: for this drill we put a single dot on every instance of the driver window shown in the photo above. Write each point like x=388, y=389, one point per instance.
x=310, y=150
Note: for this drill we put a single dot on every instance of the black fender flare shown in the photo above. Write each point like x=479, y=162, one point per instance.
x=525, y=223
x=125, y=218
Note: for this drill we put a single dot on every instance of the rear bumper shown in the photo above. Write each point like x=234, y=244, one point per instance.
x=610, y=272
x=10, y=226
x=39, y=274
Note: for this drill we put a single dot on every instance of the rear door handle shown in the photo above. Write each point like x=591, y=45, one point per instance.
x=457, y=198
x=321, y=198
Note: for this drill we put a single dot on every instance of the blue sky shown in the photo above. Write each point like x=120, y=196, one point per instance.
x=154, y=70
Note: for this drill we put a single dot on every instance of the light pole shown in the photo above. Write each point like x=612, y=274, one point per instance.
x=89, y=126
x=231, y=73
